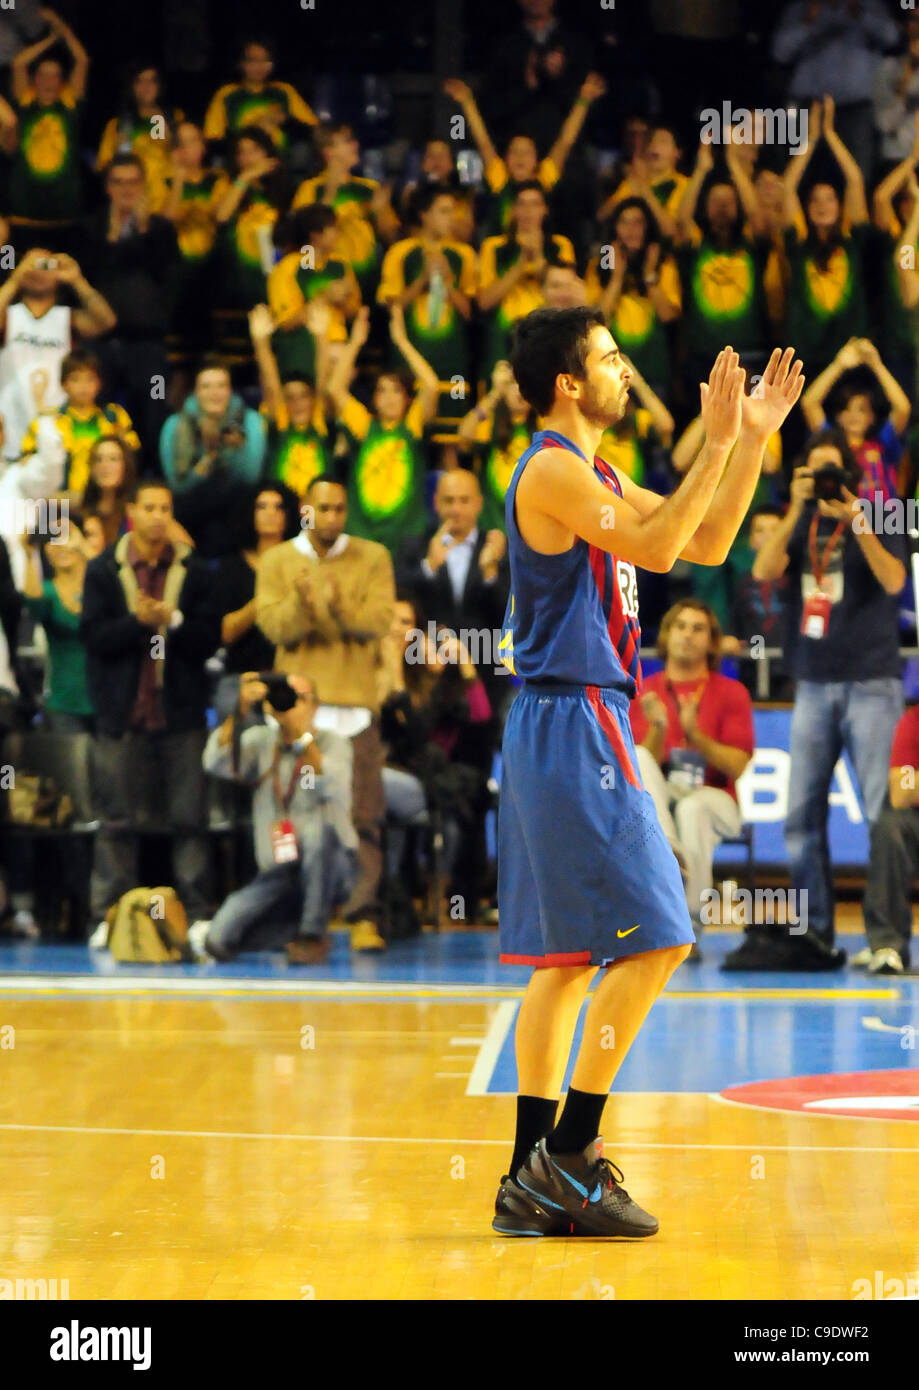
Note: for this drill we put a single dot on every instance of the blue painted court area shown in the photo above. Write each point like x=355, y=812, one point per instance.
x=711, y=1030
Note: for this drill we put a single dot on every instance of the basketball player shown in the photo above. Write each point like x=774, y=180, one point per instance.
x=586, y=878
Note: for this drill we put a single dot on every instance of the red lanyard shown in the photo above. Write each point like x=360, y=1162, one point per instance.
x=285, y=798
x=819, y=566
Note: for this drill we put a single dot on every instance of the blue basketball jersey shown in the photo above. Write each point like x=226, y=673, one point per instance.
x=571, y=617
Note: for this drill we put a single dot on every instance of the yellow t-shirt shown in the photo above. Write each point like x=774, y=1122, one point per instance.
x=496, y=175
x=357, y=419
x=672, y=200
x=286, y=297
x=527, y=294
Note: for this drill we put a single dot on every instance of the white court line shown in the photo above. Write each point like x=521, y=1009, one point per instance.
x=751, y=1147
x=466, y=1042
x=490, y=1050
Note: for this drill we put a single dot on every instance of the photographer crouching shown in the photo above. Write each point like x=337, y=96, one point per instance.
x=842, y=647
x=305, y=842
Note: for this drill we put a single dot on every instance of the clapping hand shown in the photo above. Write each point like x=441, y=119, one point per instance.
x=782, y=383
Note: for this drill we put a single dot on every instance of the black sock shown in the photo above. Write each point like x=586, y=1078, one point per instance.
x=535, y=1118
x=579, y=1123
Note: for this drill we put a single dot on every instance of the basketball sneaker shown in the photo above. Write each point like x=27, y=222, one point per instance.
x=886, y=961
x=862, y=959
x=519, y=1214
x=585, y=1190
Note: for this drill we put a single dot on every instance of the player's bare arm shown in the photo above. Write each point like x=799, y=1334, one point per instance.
x=558, y=500
x=762, y=415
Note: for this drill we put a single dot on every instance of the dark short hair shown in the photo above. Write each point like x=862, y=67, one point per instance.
x=530, y=186
x=212, y=362
x=298, y=228
x=546, y=343
x=80, y=360
x=425, y=196
x=767, y=509
x=833, y=438
x=147, y=484
x=126, y=159
x=324, y=478
x=306, y=378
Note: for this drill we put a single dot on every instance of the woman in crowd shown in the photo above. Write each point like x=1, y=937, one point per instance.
x=211, y=451
x=271, y=517
x=112, y=477
x=511, y=267
x=246, y=213
x=436, y=721
x=386, y=480
x=57, y=603
x=877, y=443
x=825, y=241
x=722, y=258
x=193, y=193
x=145, y=126
x=637, y=288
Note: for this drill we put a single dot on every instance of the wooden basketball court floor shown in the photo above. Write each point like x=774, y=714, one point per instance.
x=257, y=1132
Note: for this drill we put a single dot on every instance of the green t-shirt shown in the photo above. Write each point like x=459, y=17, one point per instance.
x=295, y=457
x=498, y=255
x=243, y=282
x=825, y=307
x=896, y=338
x=386, y=500
x=45, y=180
x=295, y=348
x=496, y=467
x=434, y=326
x=69, y=693
x=723, y=297
x=196, y=230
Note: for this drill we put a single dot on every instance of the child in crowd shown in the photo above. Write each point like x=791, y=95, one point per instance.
x=297, y=445
x=386, y=478
x=81, y=420
x=521, y=163
x=876, y=443
x=307, y=273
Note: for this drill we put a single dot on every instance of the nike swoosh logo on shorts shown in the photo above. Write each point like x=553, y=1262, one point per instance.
x=629, y=932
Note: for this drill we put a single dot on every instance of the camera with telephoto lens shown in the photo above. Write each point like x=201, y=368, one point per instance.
x=281, y=694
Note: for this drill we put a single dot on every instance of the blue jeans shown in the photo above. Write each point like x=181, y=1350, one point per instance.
x=288, y=900
x=829, y=716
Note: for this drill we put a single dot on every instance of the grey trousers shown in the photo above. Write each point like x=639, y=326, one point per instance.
x=694, y=821
x=893, y=865
x=150, y=782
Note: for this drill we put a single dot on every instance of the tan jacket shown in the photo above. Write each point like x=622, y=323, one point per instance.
x=336, y=644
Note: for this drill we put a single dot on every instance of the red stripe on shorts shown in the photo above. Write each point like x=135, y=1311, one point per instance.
x=611, y=729
x=563, y=958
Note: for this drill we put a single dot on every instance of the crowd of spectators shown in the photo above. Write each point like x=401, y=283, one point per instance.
x=268, y=389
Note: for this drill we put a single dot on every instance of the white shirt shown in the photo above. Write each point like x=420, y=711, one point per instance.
x=459, y=558
x=32, y=344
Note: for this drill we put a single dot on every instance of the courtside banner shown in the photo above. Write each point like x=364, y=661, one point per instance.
x=763, y=794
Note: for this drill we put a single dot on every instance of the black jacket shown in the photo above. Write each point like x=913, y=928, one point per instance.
x=116, y=642
x=481, y=605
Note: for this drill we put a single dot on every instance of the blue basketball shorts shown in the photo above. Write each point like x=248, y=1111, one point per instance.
x=585, y=873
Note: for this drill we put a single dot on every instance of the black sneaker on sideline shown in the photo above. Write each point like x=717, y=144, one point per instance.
x=519, y=1214
x=762, y=950
x=584, y=1190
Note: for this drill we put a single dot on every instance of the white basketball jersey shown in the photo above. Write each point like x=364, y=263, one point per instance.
x=32, y=345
